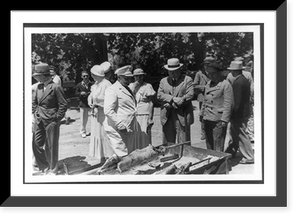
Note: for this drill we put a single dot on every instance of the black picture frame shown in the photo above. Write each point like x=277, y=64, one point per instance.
x=280, y=200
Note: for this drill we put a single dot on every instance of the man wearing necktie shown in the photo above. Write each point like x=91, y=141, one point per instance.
x=48, y=107
x=176, y=92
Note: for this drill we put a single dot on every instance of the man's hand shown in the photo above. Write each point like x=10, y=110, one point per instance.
x=222, y=123
x=167, y=105
x=83, y=93
x=178, y=100
x=174, y=105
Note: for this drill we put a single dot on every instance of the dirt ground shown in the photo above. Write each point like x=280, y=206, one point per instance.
x=74, y=150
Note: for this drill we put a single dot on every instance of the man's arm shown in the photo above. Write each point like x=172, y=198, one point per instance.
x=237, y=94
x=189, y=93
x=62, y=103
x=162, y=96
x=228, y=102
x=110, y=103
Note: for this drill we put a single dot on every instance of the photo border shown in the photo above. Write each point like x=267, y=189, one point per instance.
x=54, y=26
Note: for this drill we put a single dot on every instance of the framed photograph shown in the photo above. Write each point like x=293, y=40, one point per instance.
x=203, y=175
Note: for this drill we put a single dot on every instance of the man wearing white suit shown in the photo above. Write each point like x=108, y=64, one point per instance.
x=120, y=108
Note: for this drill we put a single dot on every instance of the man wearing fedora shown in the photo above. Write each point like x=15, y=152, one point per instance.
x=240, y=114
x=48, y=106
x=176, y=92
x=120, y=116
x=199, y=83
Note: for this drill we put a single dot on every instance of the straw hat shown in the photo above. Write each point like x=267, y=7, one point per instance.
x=173, y=64
x=124, y=71
x=97, y=70
x=236, y=65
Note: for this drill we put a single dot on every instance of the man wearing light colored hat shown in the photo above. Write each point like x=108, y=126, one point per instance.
x=120, y=120
x=240, y=114
x=237, y=62
x=49, y=105
x=176, y=92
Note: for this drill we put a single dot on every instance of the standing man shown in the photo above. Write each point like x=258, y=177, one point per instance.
x=176, y=92
x=199, y=83
x=240, y=114
x=48, y=106
x=120, y=116
x=216, y=109
x=83, y=90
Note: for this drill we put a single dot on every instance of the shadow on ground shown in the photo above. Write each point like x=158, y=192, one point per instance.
x=235, y=160
x=72, y=165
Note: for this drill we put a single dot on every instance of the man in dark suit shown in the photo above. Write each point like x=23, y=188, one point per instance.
x=83, y=90
x=176, y=93
x=48, y=106
x=240, y=114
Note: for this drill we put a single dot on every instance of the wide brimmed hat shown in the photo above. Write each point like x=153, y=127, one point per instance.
x=173, y=64
x=41, y=69
x=97, y=70
x=208, y=60
x=106, y=66
x=138, y=72
x=124, y=71
x=236, y=65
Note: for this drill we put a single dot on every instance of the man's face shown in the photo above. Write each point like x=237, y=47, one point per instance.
x=174, y=74
x=139, y=78
x=213, y=74
x=205, y=65
x=85, y=77
x=125, y=80
x=42, y=78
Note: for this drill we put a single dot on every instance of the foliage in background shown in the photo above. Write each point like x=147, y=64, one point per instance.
x=73, y=52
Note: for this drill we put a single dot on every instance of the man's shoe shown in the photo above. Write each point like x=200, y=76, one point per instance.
x=83, y=135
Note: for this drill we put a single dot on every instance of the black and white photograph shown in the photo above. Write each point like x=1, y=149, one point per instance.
x=146, y=108
x=169, y=102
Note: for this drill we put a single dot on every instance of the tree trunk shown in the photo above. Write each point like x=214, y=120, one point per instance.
x=101, y=48
x=198, y=50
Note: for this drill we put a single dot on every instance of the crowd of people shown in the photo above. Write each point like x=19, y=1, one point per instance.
x=121, y=113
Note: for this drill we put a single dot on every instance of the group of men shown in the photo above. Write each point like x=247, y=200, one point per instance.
x=222, y=102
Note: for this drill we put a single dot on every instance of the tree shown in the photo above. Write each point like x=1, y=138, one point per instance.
x=73, y=52
x=70, y=53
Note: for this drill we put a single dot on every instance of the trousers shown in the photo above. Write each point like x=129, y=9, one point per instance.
x=45, y=145
x=215, y=135
x=84, y=114
x=240, y=139
x=174, y=132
